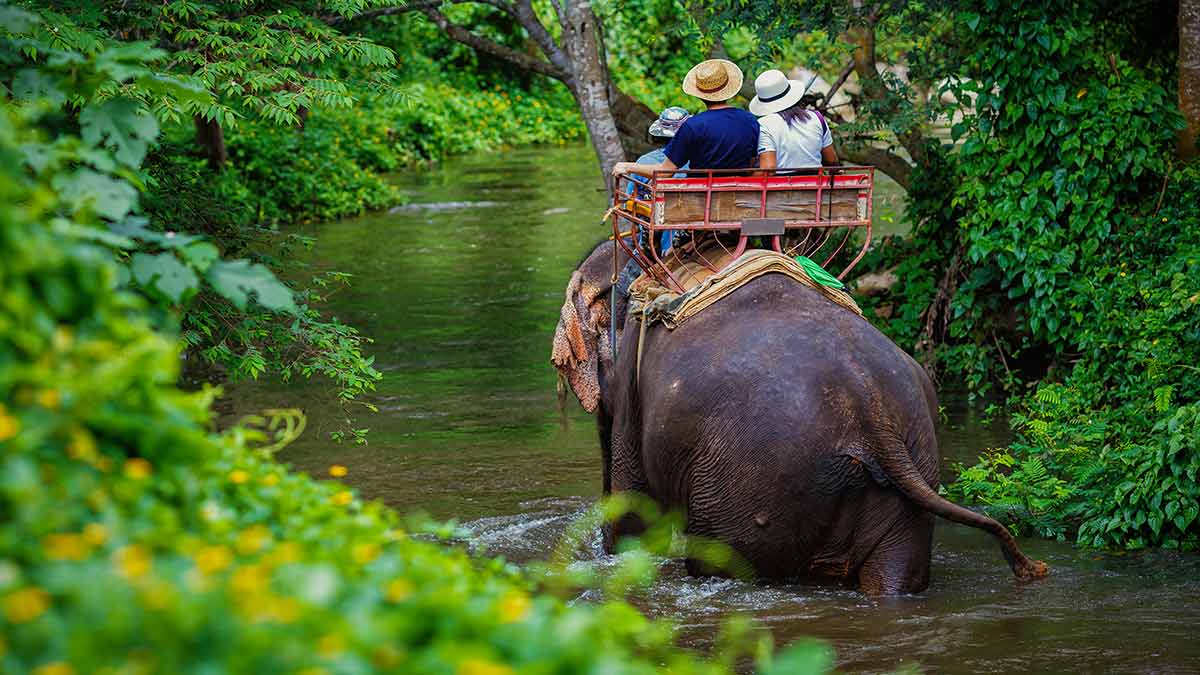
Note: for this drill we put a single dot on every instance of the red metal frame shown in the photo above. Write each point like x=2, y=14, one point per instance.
x=645, y=216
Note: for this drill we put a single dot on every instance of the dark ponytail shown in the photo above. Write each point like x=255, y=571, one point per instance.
x=795, y=115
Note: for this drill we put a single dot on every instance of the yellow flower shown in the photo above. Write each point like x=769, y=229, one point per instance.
x=337, y=471
x=55, y=668
x=514, y=607
x=365, y=553
x=26, y=604
x=342, y=498
x=48, y=398
x=249, y=580
x=213, y=559
x=270, y=480
x=65, y=546
x=287, y=552
x=157, y=594
x=331, y=644
x=9, y=425
x=138, y=468
x=398, y=590
x=386, y=656
x=1081, y=93
x=482, y=667
x=237, y=476
x=283, y=610
x=95, y=534
x=132, y=561
x=81, y=446
x=63, y=337
x=252, y=539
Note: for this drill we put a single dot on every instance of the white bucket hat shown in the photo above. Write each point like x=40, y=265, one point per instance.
x=774, y=92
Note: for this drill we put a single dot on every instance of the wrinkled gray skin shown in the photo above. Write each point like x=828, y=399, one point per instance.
x=782, y=424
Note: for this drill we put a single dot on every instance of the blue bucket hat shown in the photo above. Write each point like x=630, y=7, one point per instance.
x=669, y=121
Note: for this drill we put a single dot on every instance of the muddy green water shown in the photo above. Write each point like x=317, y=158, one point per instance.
x=460, y=291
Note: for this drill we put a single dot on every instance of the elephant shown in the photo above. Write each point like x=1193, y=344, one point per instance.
x=781, y=424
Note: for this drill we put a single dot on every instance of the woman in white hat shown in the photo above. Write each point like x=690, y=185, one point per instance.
x=790, y=136
x=721, y=137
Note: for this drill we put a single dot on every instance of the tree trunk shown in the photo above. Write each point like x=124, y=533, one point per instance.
x=589, y=82
x=211, y=138
x=633, y=121
x=1189, y=77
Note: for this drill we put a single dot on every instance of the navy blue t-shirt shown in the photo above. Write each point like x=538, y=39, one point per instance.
x=725, y=138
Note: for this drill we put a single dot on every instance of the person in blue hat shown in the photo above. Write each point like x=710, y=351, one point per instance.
x=662, y=130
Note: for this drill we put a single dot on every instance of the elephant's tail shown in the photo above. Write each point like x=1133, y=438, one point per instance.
x=904, y=475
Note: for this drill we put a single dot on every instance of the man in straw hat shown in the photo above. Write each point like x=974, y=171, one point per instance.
x=721, y=137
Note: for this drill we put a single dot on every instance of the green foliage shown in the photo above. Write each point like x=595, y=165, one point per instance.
x=334, y=167
x=652, y=44
x=1119, y=431
x=184, y=274
x=1051, y=159
x=259, y=58
x=134, y=538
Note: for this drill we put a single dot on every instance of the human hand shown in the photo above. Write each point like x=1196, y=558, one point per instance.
x=621, y=168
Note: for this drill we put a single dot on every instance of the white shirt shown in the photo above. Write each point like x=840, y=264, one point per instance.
x=796, y=146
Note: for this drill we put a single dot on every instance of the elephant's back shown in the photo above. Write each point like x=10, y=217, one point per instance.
x=778, y=353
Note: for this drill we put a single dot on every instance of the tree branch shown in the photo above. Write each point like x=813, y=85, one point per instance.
x=875, y=88
x=415, y=5
x=886, y=161
x=460, y=34
x=532, y=25
x=837, y=85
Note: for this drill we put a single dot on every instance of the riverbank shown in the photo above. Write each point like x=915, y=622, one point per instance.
x=337, y=164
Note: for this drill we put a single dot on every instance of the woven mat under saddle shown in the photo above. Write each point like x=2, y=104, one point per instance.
x=656, y=302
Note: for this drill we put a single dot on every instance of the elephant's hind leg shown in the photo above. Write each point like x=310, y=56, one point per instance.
x=899, y=563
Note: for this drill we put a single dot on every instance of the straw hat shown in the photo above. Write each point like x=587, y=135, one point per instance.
x=713, y=80
x=775, y=92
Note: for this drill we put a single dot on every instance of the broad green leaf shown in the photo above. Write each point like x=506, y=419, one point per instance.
x=87, y=190
x=174, y=87
x=136, y=228
x=237, y=279
x=121, y=124
x=30, y=85
x=200, y=255
x=164, y=273
x=805, y=656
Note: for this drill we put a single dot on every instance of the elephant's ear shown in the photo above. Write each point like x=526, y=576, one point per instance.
x=581, y=339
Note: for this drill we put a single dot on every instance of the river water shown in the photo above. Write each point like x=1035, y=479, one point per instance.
x=461, y=290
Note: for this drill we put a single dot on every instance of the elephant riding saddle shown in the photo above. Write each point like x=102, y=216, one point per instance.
x=651, y=301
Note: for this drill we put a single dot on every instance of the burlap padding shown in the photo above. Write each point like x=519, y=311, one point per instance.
x=688, y=207
x=656, y=302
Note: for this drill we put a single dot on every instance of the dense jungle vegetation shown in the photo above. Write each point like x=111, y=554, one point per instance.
x=150, y=149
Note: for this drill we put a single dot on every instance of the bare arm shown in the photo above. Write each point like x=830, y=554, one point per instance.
x=646, y=170
x=829, y=156
x=767, y=160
